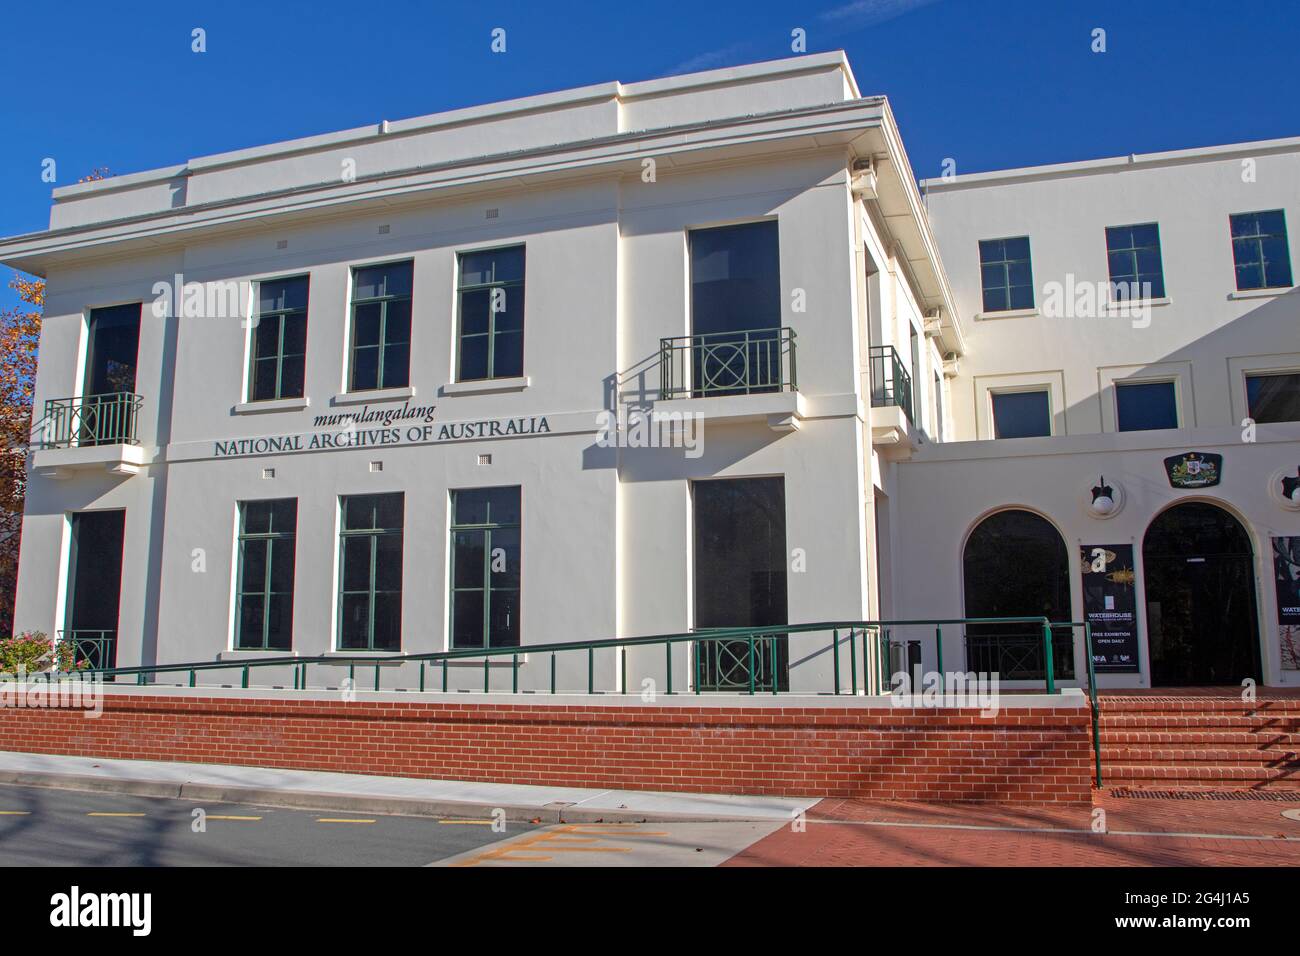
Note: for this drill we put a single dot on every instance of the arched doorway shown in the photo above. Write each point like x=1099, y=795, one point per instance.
x=1199, y=571
x=1015, y=564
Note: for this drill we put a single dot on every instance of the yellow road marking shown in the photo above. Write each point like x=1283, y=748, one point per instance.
x=340, y=820
x=559, y=840
x=15, y=813
x=99, y=814
x=476, y=823
x=213, y=816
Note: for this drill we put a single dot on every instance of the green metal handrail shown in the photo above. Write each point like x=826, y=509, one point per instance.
x=94, y=646
x=874, y=638
x=728, y=363
x=107, y=419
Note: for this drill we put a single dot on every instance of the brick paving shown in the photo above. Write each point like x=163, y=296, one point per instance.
x=873, y=833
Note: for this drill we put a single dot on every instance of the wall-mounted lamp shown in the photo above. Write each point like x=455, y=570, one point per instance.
x=1103, y=500
x=1103, y=497
x=1291, y=487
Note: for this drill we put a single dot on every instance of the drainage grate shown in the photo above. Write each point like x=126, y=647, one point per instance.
x=1269, y=796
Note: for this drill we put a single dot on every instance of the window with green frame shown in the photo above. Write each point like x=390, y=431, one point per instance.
x=279, y=348
x=1133, y=256
x=370, y=572
x=1259, y=250
x=485, y=567
x=490, y=301
x=381, y=327
x=1006, y=274
x=264, y=612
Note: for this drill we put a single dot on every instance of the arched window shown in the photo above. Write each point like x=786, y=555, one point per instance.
x=1016, y=565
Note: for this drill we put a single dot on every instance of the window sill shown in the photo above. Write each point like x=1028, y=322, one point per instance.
x=1006, y=314
x=271, y=405
x=374, y=395
x=1128, y=305
x=1260, y=293
x=244, y=655
x=486, y=385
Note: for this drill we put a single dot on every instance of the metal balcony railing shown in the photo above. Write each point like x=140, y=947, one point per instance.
x=108, y=419
x=97, y=648
x=891, y=383
x=727, y=363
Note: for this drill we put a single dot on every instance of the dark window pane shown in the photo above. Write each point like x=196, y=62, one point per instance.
x=467, y=558
x=1021, y=414
x=257, y=517
x=264, y=386
x=389, y=510
x=503, y=505
x=503, y=562
x=735, y=278
x=295, y=334
x=354, y=622
x=473, y=358
x=470, y=506
x=366, y=322
x=1006, y=274
x=292, y=377
x=251, y=608
x=282, y=565
x=474, y=309
x=740, y=554
x=1142, y=406
x=508, y=355
x=254, y=565
x=279, y=622
x=397, y=322
x=356, y=563
x=388, y=622
x=1274, y=398
x=503, y=619
x=114, y=339
x=266, y=338
x=397, y=366
x=365, y=369
x=467, y=619
x=388, y=562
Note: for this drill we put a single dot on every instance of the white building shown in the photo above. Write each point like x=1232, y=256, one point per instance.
x=352, y=394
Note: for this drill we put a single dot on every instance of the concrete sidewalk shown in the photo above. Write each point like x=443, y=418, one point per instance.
x=318, y=790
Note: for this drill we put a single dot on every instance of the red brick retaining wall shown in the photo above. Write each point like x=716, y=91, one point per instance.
x=1027, y=755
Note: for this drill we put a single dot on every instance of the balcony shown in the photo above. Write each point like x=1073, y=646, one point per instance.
x=97, y=648
x=891, y=393
x=89, y=431
x=744, y=375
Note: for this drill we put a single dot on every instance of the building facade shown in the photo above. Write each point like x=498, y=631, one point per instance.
x=648, y=358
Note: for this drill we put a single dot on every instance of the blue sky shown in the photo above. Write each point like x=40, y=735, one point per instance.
x=989, y=83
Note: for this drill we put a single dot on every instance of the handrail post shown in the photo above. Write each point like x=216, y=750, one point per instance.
x=444, y=675
x=552, y=672
x=1092, y=693
x=245, y=683
x=853, y=660
x=751, y=663
x=668, y=663
x=938, y=646
x=514, y=673
x=835, y=658
x=376, y=677
x=1047, y=658
x=591, y=670
x=622, y=669
x=486, y=676
x=424, y=665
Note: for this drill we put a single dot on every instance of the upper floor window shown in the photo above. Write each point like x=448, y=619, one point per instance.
x=1273, y=396
x=1022, y=414
x=370, y=572
x=490, y=298
x=485, y=567
x=1142, y=406
x=1136, y=270
x=381, y=327
x=1259, y=250
x=264, y=613
x=1006, y=275
x=279, y=350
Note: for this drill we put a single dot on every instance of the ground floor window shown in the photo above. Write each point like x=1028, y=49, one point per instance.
x=1273, y=396
x=486, y=567
x=1016, y=565
x=264, y=615
x=370, y=572
x=94, y=585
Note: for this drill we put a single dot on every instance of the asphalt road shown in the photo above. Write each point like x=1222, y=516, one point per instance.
x=44, y=827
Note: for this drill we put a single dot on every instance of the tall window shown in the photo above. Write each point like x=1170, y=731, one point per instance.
x=370, y=572
x=1006, y=275
x=490, y=296
x=1025, y=414
x=1259, y=250
x=1136, y=269
x=279, y=352
x=264, y=616
x=485, y=567
x=1142, y=406
x=1273, y=396
x=938, y=407
x=381, y=327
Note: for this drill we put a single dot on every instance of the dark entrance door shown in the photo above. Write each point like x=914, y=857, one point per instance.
x=94, y=585
x=1202, y=626
x=740, y=581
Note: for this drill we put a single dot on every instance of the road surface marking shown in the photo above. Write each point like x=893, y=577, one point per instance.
x=340, y=820
x=214, y=816
x=102, y=814
x=476, y=823
x=15, y=813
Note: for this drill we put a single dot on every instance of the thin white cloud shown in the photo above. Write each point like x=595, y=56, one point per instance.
x=721, y=57
x=866, y=13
